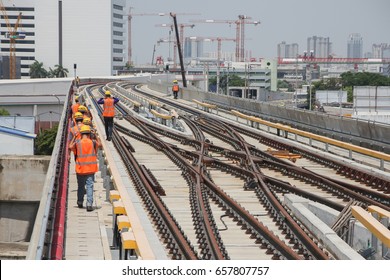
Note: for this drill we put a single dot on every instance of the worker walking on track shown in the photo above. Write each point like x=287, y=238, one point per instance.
x=108, y=113
x=74, y=131
x=84, y=110
x=85, y=150
x=75, y=107
x=175, y=89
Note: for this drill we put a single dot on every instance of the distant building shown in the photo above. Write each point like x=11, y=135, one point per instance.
x=355, y=46
x=5, y=70
x=288, y=50
x=321, y=47
x=381, y=50
x=193, y=48
x=56, y=33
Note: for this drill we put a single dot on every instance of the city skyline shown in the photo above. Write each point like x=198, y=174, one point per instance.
x=280, y=20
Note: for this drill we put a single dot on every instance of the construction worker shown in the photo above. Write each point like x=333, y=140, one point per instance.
x=175, y=89
x=108, y=113
x=84, y=110
x=87, y=121
x=85, y=150
x=75, y=107
x=75, y=130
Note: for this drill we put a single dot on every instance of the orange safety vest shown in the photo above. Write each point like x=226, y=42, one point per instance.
x=75, y=108
x=74, y=130
x=86, y=161
x=109, y=107
x=175, y=87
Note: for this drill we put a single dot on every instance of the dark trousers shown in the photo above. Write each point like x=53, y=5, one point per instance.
x=175, y=94
x=108, y=125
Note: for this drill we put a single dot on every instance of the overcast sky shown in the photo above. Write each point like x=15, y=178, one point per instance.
x=281, y=20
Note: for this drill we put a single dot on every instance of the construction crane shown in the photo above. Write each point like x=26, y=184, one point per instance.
x=214, y=39
x=129, y=27
x=174, y=49
x=219, y=40
x=12, y=35
x=240, y=32
x=181, y=28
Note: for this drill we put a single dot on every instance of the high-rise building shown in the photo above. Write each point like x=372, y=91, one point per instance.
x=91, y=34
x=288, y=50
x=193, y=48
x=320, y=46
x=355, y=46
x=378, y=50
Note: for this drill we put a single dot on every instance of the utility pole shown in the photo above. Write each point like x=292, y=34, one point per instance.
x=183, y=74
x=309, y=77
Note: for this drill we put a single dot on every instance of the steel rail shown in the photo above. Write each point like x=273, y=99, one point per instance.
x=170, y=231
x=281, y=213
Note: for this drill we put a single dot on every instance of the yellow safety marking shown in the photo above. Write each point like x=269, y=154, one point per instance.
x=313, y=136
x=123, y=221
x=382, y=213
x=128, y=240
x=135, y=103
x=211, y=106
x=153, y=103
x=159, y=115
x=372, y=224
x=119, y=208
x=114, y=195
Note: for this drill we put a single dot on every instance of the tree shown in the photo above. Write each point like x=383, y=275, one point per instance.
x=4, y=112
x=44, y=143
x=60, y=71
x=37, y=70
x=285, y=84
x=364, y=79
x=51, y=73
x=234, y=81
x=129, y=66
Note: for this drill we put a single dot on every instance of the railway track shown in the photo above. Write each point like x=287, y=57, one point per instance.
x=227, y=194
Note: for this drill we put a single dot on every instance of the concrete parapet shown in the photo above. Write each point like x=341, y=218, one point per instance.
x=332, y=242
x=21, y=182
x=22, y=177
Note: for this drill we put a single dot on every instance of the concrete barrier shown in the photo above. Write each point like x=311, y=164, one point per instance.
x=20, y=193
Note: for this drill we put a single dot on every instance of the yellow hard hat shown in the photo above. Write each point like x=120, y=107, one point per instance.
x=175, y=81
x=107, y=93
x=87, y=121
x=78, y=116
x=85, y=129
x=76, y=98
x=82, y=108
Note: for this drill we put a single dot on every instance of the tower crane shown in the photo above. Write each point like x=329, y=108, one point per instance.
x=129, y=26
x=13, y=36
x=174, y=49
x=181, y=27
x=219, y=40
x=240, y=32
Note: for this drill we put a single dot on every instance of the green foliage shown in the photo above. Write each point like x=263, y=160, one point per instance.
x=285, y=84
x=348, y=80
x=234, y=81
x=44, y=143
x=60, y=72
x=37, y=71
x=4, y=112
x=129, y=66
x=328, y=84
x=364, y=79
